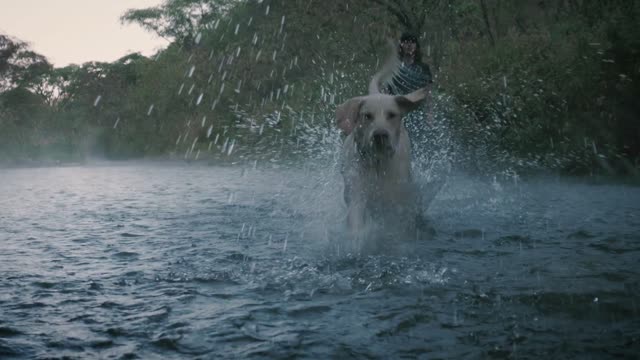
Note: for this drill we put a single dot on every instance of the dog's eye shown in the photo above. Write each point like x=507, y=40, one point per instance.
x=368, y=116
x=392, y=115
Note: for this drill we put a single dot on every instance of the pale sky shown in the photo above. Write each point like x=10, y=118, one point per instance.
x=77, y=31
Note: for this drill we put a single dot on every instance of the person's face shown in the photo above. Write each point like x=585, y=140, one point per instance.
x=408, y=47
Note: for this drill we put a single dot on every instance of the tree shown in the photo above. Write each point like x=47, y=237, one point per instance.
x=178, y=20
x=19, y=66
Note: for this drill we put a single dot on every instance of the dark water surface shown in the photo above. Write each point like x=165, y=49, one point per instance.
x=171, y=261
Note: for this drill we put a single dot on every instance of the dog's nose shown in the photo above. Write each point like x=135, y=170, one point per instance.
x=381, y=140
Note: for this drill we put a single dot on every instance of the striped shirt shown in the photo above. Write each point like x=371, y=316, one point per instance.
x=410, y=77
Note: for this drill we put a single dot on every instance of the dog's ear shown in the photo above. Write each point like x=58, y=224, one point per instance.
x=347, y=114
x=413, y=100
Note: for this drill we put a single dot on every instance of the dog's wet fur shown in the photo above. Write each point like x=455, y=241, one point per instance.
x=376, y=159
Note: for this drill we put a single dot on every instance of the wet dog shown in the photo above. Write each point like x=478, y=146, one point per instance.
x=376, y=158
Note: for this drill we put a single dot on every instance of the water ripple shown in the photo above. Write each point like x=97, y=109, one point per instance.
x=130, y=262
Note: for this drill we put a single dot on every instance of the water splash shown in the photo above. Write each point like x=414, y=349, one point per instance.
x=233, y=143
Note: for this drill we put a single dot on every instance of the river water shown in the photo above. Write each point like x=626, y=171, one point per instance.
x=175, y=261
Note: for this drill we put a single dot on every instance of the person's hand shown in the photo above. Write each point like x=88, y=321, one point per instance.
x=429, y=105
x=430, y=118
x=428, y=99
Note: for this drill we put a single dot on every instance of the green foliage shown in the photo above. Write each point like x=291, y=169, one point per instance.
x=178, y=20
x=520, y=85
x=19, y=66
x=557, y=94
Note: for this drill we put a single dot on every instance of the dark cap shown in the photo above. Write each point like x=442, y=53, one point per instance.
x=408, y=37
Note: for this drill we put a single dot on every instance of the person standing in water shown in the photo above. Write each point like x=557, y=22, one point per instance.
x=412, y=75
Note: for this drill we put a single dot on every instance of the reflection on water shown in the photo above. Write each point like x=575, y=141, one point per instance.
x=172, y=261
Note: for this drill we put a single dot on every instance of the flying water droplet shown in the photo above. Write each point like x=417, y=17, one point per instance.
x=233, y=143
x=193, y=144
x=199, y=99
x=193, y=68
x=286, y=241
x=97, y=100
x=281, y=25
x=116, y=124
x=150, y=110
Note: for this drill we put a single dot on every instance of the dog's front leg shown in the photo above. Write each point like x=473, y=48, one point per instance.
x=356, y=217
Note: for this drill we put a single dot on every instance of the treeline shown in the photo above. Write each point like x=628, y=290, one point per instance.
x=526, y=85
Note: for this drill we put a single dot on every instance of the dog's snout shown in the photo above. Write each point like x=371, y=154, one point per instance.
x=380, y=134
x=381, y=140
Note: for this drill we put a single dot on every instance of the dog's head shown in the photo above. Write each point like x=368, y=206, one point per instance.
x=376, y=120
